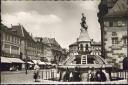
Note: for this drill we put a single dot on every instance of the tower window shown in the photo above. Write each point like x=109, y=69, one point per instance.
x=86, y=46
x=81, y=47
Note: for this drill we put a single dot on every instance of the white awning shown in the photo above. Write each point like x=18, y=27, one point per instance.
x=34, y=61
x=11, y=60
x=16, y=60
x=5, y=60
x=48, y=63
x=54, y=64
x=40, y=62
x=30, y=63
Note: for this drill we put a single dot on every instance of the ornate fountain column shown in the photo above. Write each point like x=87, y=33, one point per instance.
x=84, y=41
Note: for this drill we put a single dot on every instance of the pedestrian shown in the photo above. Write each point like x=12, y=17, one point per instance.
x=107, y=75
x=62, y=78
x=66, y=77
x=100, y=76
x=93, y=72
x=58, y=75
x=71, y=76
x=76, y=74
x=36, y=73
x=89, y=75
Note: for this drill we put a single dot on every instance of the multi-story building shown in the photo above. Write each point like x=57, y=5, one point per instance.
x=19, y=44
x=11, y=48
x=30, y=49
x=51, y=49
x=114, y=26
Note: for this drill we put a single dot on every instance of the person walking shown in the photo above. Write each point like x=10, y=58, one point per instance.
x=36, y=73
x=66, y=77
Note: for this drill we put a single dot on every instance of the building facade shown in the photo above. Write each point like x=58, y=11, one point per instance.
x=30, y=49
x=114, y=26
x=10, y=48
x=51, y=49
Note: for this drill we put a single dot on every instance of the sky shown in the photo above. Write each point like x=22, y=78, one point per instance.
x=53, y=19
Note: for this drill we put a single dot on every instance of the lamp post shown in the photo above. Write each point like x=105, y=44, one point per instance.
x=26, y=66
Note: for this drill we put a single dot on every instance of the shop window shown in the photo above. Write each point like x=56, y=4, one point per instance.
x=114, y=40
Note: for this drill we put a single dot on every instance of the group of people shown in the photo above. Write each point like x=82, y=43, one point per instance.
x=99, y=75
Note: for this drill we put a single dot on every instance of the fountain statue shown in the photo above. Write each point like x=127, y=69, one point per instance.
x=83, y=23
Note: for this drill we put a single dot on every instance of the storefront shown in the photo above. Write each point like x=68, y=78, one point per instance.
x=5, y=64
x=11, y=63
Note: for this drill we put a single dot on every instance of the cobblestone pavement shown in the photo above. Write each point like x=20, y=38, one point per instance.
x=19, y=77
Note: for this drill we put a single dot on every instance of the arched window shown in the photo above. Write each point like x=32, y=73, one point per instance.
x=86, y=46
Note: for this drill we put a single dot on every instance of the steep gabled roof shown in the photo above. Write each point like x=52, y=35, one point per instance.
x=119, y=9
x=9, y=30
x=22, y=32
x=73, y=44
x=45, y=40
